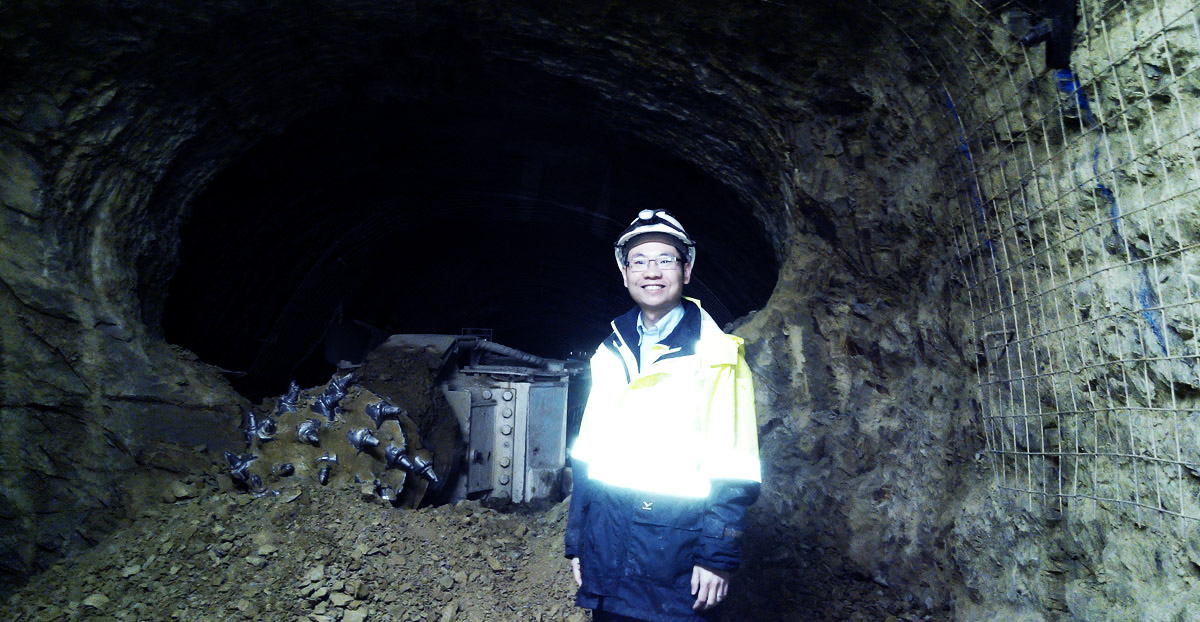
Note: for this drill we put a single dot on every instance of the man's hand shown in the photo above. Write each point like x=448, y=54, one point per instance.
x=575, y=570
x=708, y=586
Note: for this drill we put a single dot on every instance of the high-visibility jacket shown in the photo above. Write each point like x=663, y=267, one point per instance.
x=665, y=464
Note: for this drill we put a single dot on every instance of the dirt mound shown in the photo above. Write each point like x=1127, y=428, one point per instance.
x=325, y=554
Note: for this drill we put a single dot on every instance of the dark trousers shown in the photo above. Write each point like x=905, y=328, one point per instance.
x=604, y=616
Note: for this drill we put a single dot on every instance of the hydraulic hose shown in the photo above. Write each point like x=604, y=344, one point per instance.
x=496, y=348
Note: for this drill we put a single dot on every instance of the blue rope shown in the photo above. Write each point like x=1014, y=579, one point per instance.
x=1143, y=293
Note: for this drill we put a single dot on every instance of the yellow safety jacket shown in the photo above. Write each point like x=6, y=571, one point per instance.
x=666, y=463
x=677, y=422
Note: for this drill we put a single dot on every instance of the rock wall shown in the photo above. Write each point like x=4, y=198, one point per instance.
x=87, y=399
x=868, y=429
x=91, y=398
x=1075, y=230
x=86, y=393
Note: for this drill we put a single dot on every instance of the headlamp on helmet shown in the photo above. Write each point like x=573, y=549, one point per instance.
x=655, y=221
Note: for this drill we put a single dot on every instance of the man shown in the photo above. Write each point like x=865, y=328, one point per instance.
x=666, y=461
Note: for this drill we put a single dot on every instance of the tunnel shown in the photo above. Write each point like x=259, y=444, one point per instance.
x=496, y=203
x=958, y=239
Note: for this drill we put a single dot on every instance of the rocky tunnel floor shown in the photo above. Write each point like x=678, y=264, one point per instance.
x=329, y=554
x=205, y=552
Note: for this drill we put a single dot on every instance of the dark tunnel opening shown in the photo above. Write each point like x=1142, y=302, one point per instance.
x=398, y=217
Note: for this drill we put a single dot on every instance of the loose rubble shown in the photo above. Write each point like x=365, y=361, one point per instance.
x=208, y=551
x=220, y=554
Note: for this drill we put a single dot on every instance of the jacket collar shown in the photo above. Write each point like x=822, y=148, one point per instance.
x=684, y=337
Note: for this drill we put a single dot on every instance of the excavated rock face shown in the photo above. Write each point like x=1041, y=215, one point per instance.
x=194, y=188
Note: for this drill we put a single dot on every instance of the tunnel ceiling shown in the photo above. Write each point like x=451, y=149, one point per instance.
x=428, y=166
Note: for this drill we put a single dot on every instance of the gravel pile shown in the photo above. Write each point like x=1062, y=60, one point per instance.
x=207, y=552
x=335, y=553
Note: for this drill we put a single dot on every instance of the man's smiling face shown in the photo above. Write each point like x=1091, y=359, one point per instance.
x=655, y=290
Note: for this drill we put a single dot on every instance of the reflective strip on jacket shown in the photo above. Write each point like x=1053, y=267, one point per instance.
x=666, y=463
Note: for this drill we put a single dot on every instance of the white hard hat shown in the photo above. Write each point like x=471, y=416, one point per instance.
x=654, y=221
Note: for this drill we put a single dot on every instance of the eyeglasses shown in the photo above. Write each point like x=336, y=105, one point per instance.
x=665, y=262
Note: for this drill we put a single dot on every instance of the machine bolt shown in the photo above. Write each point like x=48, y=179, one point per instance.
x=487, y=394
x=506, y=429
x=507, y=395
x=504, y=479
x=507, y=412
x=505, y=461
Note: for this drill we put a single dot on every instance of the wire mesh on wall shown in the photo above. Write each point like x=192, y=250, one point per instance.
x=1079, y=236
